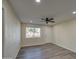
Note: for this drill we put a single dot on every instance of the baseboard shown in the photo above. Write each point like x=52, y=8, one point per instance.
x=17, y=52
x=33, y=45
x=64, y=47
x=46, y=43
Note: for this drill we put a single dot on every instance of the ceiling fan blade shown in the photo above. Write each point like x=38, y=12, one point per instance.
x=45, y=22
x=42, y=19
x=51, y=19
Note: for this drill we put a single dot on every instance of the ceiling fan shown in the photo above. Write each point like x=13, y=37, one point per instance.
x=48, y=20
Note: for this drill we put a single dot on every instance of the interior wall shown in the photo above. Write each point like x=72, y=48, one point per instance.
x=11, y=32
x=48, y=34
x=45, y=35
x=65, y=35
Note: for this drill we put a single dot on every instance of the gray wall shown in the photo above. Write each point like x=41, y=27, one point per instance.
x=12, y=32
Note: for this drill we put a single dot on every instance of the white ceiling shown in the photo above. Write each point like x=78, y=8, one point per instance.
x=28, y=10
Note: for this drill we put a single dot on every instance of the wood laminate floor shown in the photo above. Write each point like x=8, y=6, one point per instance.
x=46, y=51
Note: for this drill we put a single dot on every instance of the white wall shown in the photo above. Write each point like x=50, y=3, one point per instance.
x=11, y=32
x=65, y=35
x=48, y=35
x=45, y=36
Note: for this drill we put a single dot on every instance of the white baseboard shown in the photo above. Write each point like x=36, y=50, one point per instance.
x=33, y=44
x=51, y=43
x=17, y=52
x=65, y=47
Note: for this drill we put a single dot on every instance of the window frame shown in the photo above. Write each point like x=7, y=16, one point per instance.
x=33, y=35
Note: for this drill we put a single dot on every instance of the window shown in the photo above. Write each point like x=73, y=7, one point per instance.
x=32, y=32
